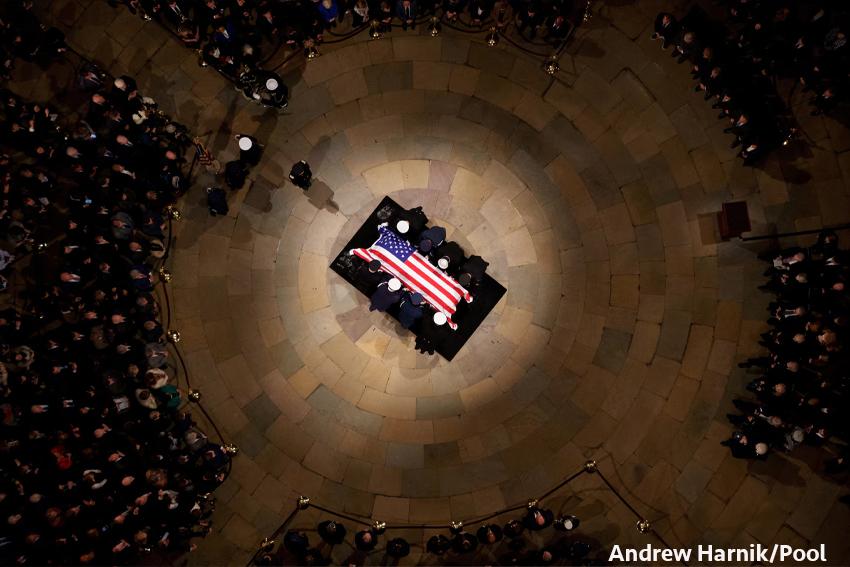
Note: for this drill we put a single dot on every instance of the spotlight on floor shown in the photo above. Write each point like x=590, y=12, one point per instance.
x=643, y=526
x=173, y=336
x=194, y=395
x=552, y=66
x=232, y=450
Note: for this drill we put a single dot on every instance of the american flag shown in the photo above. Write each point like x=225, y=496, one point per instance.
x=400, y=259
x=204, y=157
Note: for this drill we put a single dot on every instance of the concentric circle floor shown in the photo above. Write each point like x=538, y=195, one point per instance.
x=593, y=197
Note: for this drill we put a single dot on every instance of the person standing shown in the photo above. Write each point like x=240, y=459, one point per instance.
x=667, y=28
x=301, y=176
x=407, y=12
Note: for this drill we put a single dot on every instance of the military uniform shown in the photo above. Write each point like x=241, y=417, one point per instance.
x=384, y=297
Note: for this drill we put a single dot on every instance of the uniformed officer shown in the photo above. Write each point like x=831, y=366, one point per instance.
x=389, y=292
x=371, y=273
x=416, y=219
x=434, y=236
x=410, y=310
x=301, y=176
x=249, y=150
x=452, y=253
x=431, y=332
x=475, y=266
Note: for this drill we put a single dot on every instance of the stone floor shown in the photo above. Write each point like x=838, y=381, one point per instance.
x=593, y=197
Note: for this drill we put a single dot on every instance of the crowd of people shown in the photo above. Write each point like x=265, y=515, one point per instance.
x=736, y=64
x=296, y=547
x=234, y=35
x=98, y=462
x=800, y=388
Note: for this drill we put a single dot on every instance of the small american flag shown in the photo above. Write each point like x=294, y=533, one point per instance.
x=204, y=157
x=400, y=259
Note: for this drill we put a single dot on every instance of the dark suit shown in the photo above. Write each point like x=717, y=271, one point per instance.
x=532, y=20
x=464, y=543
x=174, y=15
x=332, y=538
x=265, y=27
x=670, y=30
x=398, y=548
x=384, y=297
x=556, y=33
x=743, y=131
x=406, y=13
x=531, y=522
x=362, y=545
x=484, y=530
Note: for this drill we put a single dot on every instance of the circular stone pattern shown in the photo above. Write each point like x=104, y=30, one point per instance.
x=615, y=340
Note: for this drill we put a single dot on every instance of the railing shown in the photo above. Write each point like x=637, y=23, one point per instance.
x=642, y=525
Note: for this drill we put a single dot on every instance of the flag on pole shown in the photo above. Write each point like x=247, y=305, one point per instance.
x=204, y=157
x=400, y=259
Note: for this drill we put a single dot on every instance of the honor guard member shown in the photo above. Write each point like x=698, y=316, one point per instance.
x=401, y=228
x=371, y=274
x=417, y=222
x=331, y=532
x=388, y=293
x=249, y=150
x=410, y=310
x=452, y=253
x=431, y=238
x=432, y=328
x=301, y=176
x=474, y=268
x=272, y=91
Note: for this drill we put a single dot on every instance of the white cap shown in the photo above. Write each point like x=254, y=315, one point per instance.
x=568, y=524
x=443, y=263
x=403, y=226
x=245, y=143
x=394, y=284
x=439, y=319
x=271, y=84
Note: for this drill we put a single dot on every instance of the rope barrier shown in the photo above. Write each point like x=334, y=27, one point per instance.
x=590, y=467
